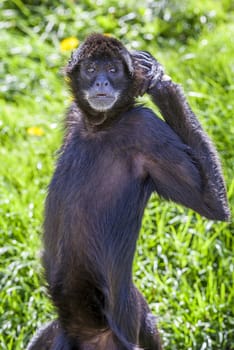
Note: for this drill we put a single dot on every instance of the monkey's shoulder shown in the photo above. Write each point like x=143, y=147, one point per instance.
x=141, y=117
x=143, y=123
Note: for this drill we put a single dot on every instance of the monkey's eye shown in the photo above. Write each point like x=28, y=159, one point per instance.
x=112, y=70
x=90, y=69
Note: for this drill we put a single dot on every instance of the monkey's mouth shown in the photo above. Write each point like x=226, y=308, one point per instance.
x=102, y=102
x=103, y=96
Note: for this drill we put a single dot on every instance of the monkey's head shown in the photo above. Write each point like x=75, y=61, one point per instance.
x=101, y=76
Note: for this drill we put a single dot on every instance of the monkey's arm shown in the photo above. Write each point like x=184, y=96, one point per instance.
x=170, y=99
x=175, y=172
x=177, y=113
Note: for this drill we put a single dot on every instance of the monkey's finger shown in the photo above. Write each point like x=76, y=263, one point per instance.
x=153, y=72
x=146, y=61
x=144, y=67
x=143, y=55
x=144, y=58
x=145, y=64
x=156, y=71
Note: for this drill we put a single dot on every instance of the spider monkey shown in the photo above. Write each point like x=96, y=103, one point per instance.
x=114, y=155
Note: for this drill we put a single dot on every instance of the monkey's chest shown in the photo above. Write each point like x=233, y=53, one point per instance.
x=100, y=197
x=98, y=179
x=102, y=182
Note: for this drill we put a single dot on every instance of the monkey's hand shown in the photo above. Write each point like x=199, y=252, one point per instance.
x=148, y=71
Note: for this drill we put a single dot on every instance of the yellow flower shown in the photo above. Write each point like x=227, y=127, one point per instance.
x=107, y=34
x=35, y=131
x=67, y=79
x=69, y=44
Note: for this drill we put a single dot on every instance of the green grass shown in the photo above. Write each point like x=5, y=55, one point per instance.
x=184, y=263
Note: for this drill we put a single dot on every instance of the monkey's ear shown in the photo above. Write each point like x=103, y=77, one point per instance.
x=127, y=59
x=74, y=60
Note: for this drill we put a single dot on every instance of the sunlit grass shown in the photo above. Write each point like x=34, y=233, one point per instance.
x=184, y=264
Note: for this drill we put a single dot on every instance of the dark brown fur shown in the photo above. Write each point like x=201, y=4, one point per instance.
x=109, y=165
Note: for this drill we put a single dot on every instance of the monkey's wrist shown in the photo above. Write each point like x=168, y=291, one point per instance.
x=158, y=82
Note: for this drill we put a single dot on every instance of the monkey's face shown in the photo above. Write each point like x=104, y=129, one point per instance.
x=101, y=82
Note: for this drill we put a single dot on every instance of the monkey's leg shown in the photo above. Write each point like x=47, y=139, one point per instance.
x=62, y=342
x=51, y=337
x=44, y=338
x=137, y=324
x=149, y=338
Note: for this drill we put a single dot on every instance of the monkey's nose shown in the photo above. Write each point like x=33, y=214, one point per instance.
x=102, y=82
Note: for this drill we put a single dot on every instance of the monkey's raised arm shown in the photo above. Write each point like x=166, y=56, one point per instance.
x=177, y=113
x=171, y=101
